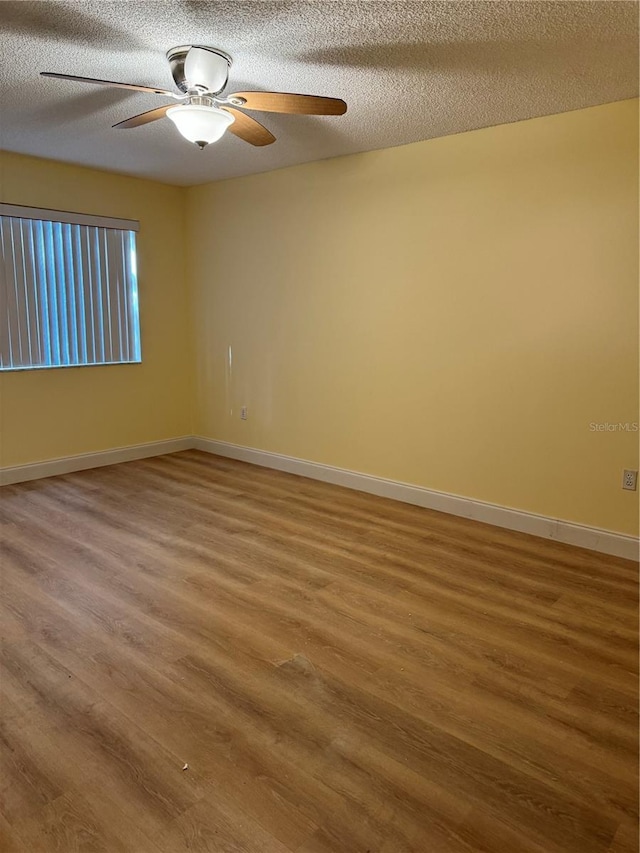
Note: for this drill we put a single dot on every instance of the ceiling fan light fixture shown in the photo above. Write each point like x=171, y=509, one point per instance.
x=200, y=124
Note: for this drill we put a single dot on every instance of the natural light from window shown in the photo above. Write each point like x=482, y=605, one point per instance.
x=69, y=294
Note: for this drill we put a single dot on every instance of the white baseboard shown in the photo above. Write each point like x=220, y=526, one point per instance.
x=68, y=464
x=593, y=538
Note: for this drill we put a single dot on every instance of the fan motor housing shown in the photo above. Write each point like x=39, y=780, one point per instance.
x=177, y=56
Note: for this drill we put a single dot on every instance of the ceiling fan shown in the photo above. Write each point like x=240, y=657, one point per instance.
x=204, y=114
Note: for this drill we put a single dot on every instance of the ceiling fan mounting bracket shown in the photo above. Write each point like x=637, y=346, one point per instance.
x=218, y=60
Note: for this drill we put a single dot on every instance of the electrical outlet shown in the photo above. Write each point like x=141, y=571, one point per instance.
x=243, y=413
x=629, y=480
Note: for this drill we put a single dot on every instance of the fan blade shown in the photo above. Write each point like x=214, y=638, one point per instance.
x=249, y=129
x=144, y=118
x=284, y=102
x=109, y=83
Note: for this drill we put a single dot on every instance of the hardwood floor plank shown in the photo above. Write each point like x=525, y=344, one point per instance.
x=72, y=825
x=215, y=825
x=625, y=840
x=341, y=673
x=9, y=841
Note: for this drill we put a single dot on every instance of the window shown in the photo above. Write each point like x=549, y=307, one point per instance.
x=69, y=291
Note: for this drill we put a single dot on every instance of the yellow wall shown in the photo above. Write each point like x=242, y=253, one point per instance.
x=453, y=313
x=47, y=414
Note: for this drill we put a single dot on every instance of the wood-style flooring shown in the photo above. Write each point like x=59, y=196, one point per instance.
x=203, y=655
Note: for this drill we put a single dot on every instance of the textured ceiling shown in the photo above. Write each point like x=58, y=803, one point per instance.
x=408, y=71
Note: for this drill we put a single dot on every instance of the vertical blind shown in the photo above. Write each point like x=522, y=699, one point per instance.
x=69, y=294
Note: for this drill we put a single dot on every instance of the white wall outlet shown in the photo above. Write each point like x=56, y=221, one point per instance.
x=629, y=480
x=243, y=413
